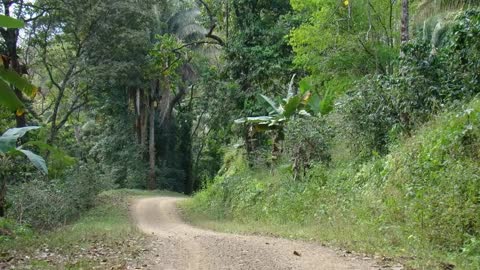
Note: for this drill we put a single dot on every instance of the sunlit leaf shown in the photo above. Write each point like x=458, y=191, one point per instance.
x=314, y=103
x=306, y=98
x=18, y=81
x=262, y=128
x=291, y=106
x=7, y=144
x=272, y=104
x=18, y=132
x=8, y=98
x=9, y=22
x=254, y=120
x=36, y=160
x=304, y=86
x=20, y=112
x=304, y=113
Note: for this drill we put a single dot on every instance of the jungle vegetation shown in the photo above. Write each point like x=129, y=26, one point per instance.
x=349, y=117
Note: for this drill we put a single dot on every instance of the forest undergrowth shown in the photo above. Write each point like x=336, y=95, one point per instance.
x=418, y=204
x=103, y=238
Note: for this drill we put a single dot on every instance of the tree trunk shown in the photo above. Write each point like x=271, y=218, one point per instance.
x=138, y=113
x=3, y=195
x=142, y=117
x=405, y=34
x=190, y=181
x=10, y=37
x=277, y=139
x=186, y=148
x=151, y=147
x=249, y=137
x=144, y=120
x=227, y=29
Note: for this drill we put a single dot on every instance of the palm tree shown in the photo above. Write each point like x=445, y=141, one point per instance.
x=434, y=16
x=178, y=19
x=428, y=8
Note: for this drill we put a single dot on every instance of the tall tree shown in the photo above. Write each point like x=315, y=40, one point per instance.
x=60, y=42
x=172, y=75
x=405, y=33
x=27, y=12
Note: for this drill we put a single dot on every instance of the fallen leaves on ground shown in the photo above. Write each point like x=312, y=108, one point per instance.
x=93, y=254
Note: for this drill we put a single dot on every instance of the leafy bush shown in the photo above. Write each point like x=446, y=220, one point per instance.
x=306, y=142
x=368, y=116
x=48, y=204
x=421, y=199
x=431, y=183
x=9, y=230
x=428, y=80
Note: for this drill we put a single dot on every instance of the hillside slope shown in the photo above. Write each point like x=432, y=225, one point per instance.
x=419, y=204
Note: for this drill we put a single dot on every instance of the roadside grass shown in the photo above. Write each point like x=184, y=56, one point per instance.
x=342, y=236
x=103, y=238
x=418, y=205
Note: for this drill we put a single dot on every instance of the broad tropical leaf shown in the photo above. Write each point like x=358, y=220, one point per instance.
x=8, y=98
x=305, y=86
x=18, y=132
x=9, y=22
x=292, y=106
x=254, y=120
x=36, y=160
x=272, y=104
x=18, y=81
x=8, y=141
x=314, y=103
x=7, y=144
x=55, y=152
x=327, y=103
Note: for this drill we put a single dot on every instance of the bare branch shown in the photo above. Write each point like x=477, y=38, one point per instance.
x=213, y=24
x=195, y=44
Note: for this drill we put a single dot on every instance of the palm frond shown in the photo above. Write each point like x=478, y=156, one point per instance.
x=429, y=8
x=183, y=18
x=191, y=32
x=433, y=18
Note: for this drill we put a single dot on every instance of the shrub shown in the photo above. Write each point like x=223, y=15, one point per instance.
x=379, y=109
x=421, y=199
x=434, y=181
x=9, y=230
x=48, y=204
x=307, y=142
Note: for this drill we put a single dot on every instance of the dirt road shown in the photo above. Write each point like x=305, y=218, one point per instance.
x=180, y=246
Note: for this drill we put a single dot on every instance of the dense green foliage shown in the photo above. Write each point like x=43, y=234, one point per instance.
x=393, y=169
x=381, y=108
x=420, y=200
x=342, y=116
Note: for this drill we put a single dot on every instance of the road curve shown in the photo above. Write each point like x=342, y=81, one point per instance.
x=179, y=246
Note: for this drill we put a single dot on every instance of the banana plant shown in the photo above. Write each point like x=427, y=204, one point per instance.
x=304, y=104
x=8, y=147
x=293, y=105
x=9, y=78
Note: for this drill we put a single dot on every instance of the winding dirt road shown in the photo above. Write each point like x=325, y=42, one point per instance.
x=180, y=246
